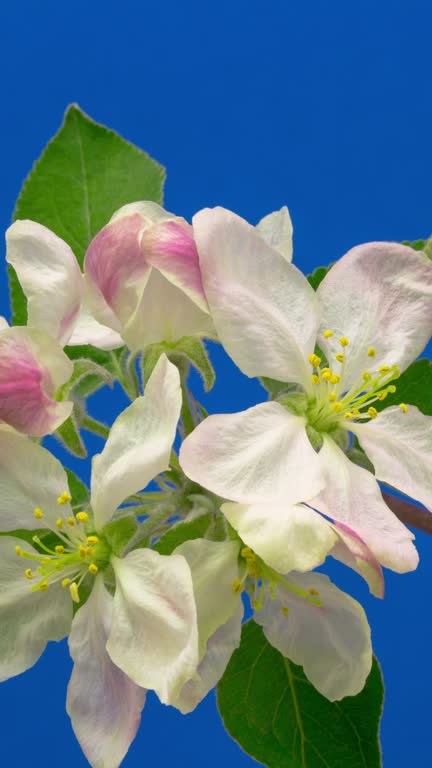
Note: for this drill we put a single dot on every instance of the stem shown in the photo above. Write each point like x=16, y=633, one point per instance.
x=409, y=513
x=129, y=386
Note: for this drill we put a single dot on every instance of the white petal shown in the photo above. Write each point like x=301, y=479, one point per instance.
x=30, y=476
x=331, y=642
x=287, y=537
x=154, y=635
x=49, y=275
x=3, y=323
x=277, y=230
x=214, y=567
x=220, y=648
x=103, y=703
x=264, y=310
x=352, y=496
x=29, y=620
x=400, y=448
x=139, y=445
x=256, y=455
x=164, y=313
x=150, y=211
x=377, y=295
x=90, y=331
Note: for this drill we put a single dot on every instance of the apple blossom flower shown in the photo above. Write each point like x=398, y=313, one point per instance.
x=140, y=633
x=371, y=316
x=308, y=619
x=32, y=368
x=51, y=279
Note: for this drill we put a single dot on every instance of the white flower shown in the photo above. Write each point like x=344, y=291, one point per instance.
x=304, y=616
x=142, y=633
x=371, y=316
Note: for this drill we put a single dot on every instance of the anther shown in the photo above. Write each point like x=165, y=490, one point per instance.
x=328, y=334
x=71, y=521
x=89, y=552
x=59, y=549
x=384, y=369
x=28, y=573
x=43, y=586
x=284, y=610
x=382, y=395
x=18, y=550
x=314, y=592
x=403, y=407
x=332, y=397
x=371, y=352
x=340, y=357
x=315, y=379
x=326, y=374
x=349, y=415
x=38, y=513
x=82, y=517
x=373, y=413
x=92, y=540
x=337, y=407
x=335, y=378
x=93, y=568
x=247, y=552
x=64, y=498
x=82, y=551
x=343, y=341
x=65, y=583
x=314, y=360
x=59, y=523
x=73, y=589
x=237, y=586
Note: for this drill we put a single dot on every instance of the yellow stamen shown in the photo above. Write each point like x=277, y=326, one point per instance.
x=334, y=378
x=59, y=549
x=340, y=357
x=314, y=592
x=237, y=586
x=337, y=407
x=314, y=360
x=247, y=552
x=382, y=395
x=92, y=540
x=284, y=610
x=403, y=407
x=73, y=589
x=65, y=583
x=38, y=513
x=373, y=413
x=89, y=552
x=71, y=521
x=384, y=369
x=93, y=568
x=64, y=498
x=326, y=374
x=332, y=397
x=43, y=586
x=343, y=341
x=82, y=551
x=59, y=523
x=315, y=379
x=18, y=550
x=371, y=352
x=28, y=573
x=349, y=415
x=328, y=334
x=82, y=517
x=366, y=376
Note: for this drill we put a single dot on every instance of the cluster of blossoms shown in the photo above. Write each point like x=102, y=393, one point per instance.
x=281, y=485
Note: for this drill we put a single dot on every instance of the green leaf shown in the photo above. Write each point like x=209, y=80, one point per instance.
x=318, y=275
x=270, y=708
x=421, y=245
x=84, y=174
x=194, y=351
x=78, y=490
x=119, y=532
x=195, y=529
x=414, y=387
x=69, y=435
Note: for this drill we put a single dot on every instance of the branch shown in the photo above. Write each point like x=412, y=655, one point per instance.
x=409, y=513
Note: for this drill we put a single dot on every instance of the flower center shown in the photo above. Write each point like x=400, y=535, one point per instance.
x=259, y=578
x=71, y=554
x=333, y=405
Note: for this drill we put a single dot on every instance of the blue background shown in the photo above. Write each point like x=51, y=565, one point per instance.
x=251, y=105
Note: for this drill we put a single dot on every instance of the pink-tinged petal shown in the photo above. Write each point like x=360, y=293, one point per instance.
x=400, y=447
x=29, y=620
x=277, y=230
x=286, y=536
x=264, y=310
x=165, y=313
x=49, y=275
x=377, y=295
x=3, y=324
x=352, y=496
x=116, y=271
x=150, y=212
x=30, y=476
x=170, y=247
x=258, y=455
x=154, y=634
x=32, y=367
x=353, y=552
x=103, y=703
x=331, y=641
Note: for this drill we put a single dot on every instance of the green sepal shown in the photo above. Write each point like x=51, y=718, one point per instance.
x=87, y=377
x=188, y=349
x=413, y=387
x=318, y=276
x=421, y=245
x=68, y=434
x=195, y=529
x=118, y=533
x=78, y=490
x=275, y=714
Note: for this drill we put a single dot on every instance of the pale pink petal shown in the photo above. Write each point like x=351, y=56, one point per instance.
x=400, y=448
x=353, y=552
x=286, y=536
x=49, y=275
x=377, y=295
x=32, y=367
x=3, y=323
x=277, y=230
x=264, y=310
x=90, y=331
x=257, y=455
x=352, y=496
x=103, y=703
x=331, y=641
